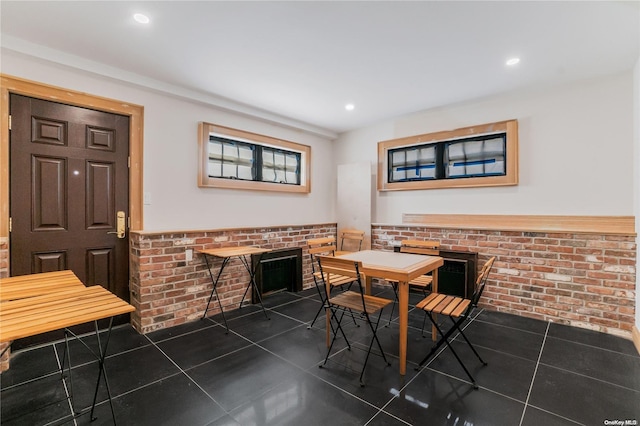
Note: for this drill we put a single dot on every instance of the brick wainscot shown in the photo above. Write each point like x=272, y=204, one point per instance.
x=166, y=290
x=583, y=280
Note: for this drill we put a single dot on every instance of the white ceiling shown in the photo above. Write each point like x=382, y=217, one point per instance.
x=305, y=60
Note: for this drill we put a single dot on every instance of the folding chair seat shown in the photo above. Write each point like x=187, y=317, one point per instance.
x=350, y=241
x=324, y=246
x=353, y=302
x=458, y=310
x=423, y=282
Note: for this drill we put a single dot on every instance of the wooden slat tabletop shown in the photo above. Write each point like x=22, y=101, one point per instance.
x=22, y=286
x=56, y=310
x=234, y=251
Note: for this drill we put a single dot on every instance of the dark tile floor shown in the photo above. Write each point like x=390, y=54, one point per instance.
x=265, y=372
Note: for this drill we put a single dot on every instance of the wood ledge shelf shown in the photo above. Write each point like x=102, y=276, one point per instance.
x=611, y=225
x=240, y=228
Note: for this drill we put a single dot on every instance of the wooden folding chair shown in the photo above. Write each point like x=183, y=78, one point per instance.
x=423, y=282
x=324, y=246
x=353, y=302
x=350, y=241
x=458, y=309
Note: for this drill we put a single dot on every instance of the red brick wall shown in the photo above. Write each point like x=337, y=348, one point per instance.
x=4, y=257
x=582, y=280
x=166, y=290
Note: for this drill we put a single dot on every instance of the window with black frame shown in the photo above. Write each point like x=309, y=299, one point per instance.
x=471, y=157
x=235, y=159
x=232, y=158
x=413, y=163
x=280, y=166
x=475, y=156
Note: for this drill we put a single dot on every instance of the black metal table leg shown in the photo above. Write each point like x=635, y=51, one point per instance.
x=103, y=372
x=214, y=290
x=252, y=283
x=101, y=355
x=66, y=356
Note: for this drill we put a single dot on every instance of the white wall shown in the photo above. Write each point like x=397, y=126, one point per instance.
x=636, y=176
x=353, y=200
x=575, y=143
x=171, y=157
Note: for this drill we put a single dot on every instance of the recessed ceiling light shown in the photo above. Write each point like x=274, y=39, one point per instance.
x=349, y=107
x=139, y=17
x=512, y=61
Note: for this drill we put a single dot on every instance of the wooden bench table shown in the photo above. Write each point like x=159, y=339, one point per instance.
x=56, y=310
x=39, y=303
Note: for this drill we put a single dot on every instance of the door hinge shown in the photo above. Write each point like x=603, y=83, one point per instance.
x=10, y=224
x=129, y=162
x=9, y=122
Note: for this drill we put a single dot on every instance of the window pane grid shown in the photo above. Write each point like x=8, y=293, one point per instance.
x=415, y=163
x=471, y=157
x=280, y=166
x=475, y=158
x=230, y=159
x=233, y=159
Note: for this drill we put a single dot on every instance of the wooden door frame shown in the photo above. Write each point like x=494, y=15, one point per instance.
x=10, y=84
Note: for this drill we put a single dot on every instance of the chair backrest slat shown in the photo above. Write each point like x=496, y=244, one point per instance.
x=420, y=247
x=320, y=246
x=354, y=235
x=482, y=280
x=345, y=267
x=323, y=249
x=339, y=266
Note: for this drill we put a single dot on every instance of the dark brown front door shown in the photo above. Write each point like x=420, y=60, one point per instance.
x=69, y=181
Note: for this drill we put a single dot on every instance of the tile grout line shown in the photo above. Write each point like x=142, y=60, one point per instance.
x=322, y=379
x=591, y=378
x=308, y=371
x=188, y=377
x=426, y=367
x=251, y=343
x=148, y=384
x=64, y=385
x=32, y=380
x=595, y=347
x=166, y=339
x=377, y=415
x=509, y=327
x=535, y=372
x=388, y=414
x=558, y=415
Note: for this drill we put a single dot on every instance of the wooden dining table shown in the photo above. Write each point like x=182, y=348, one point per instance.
x=400, y=267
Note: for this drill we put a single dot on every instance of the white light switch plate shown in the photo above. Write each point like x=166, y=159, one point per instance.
x=188, y=255
x=147, y=198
